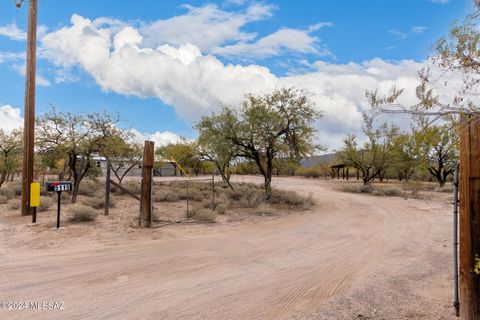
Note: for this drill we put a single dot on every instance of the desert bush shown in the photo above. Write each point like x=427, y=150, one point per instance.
x=16, y=188
x=445, y=189
x=81, y=213
x=98, y=202
x=222, y=203
x=389, y=192
x=247, y=195
x=264, y=211
x=7, y=192
x=192, y=194
x=166, y=196
x=414, y=186
x=309, y=172
x=3, y=200
x=291, y=199
x=202, y=214
x=14, y=204
x=353, y=188
x=89, y=188
x=45, y=203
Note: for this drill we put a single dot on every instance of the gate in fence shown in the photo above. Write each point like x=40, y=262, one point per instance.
x=179, y=200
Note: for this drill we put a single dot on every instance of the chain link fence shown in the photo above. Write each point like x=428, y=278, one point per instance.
x=178, y=200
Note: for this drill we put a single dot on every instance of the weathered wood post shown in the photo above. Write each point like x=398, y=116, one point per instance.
x=470, y=220
x=107, y=189
x=146, y=199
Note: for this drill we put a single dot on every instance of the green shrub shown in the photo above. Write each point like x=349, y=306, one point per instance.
x=81, y=213
x=14, y=204
x=3, y=200
x=45, y=203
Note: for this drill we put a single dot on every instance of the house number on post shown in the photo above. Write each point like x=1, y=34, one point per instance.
x=58, y=187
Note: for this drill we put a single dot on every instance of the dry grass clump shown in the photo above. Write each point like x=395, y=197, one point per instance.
x=166, y=196
x=222, y=203
x=389, y=192
x=134, y=187
x=378, y=191
x=14, y=204
x=265, y=210
x=354, y=188
x=291, y=199
x=45, y=203
x=16, y=188
x=247, y=195
x=89, y=188
x=98, y=202
x=202, y=214
x=7, y=192
x=81, y=213
x=413, y=186
x=3, y=200
x=445, y=189
x=192, y=194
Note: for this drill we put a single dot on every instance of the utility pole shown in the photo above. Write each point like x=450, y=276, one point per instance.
x=29, y=111
x=469, y=284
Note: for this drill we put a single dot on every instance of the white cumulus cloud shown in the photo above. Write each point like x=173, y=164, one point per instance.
x=197, y=83
x=13, y=32
x=10, y=118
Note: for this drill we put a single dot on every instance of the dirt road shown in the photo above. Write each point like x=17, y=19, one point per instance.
x=352, y=256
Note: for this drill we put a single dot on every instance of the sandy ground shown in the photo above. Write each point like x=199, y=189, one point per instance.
x=352, y=256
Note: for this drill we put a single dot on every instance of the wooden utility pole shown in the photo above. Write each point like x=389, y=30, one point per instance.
x=29, y=111
x=469, y=284
x=147, y=171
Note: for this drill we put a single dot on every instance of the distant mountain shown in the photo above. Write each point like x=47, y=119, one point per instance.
x=314, y=160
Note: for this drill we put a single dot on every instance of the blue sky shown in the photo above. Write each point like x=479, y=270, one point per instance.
x=214, y=52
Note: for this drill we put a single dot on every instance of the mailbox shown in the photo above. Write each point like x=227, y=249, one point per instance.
x=59, y=186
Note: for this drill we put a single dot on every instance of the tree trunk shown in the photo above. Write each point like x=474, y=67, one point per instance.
x=76, y=179
x=2, y=177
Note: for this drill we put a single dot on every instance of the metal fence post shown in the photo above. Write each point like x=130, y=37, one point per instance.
x=188, y=196
x=456, y=304
x=213, y=190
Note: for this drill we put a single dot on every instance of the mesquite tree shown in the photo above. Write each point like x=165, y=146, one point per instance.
x=266, y=126
x=76, y=136
x=10, y=144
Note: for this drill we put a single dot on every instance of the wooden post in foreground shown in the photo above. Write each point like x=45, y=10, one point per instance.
x=146, y=199
x=469, y=282
x=29, y=111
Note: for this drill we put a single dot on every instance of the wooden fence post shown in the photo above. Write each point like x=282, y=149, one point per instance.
x=469, y=219
x=107, y=190
x=147, y=170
